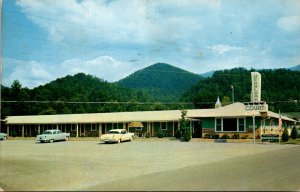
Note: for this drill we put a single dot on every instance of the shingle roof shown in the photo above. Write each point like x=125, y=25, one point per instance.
x=233, y=110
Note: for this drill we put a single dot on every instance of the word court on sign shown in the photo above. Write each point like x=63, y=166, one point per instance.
x=256, y=107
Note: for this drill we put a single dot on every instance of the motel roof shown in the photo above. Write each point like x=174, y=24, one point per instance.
x=232, y=110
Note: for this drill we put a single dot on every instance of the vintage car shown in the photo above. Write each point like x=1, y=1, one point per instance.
x=53, y=135
x=3, y=136
x=117, y=136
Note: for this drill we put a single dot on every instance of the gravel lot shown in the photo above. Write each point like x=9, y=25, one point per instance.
x=90, y=165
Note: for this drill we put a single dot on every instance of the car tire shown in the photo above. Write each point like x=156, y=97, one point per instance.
x=51, y=140
x=67, y=138
x=4, y=138
x=119, y=141
x=131, y=139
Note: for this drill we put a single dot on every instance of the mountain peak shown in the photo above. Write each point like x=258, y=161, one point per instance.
x=161, y=78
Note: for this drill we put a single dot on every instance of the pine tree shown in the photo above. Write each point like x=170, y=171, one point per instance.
x=285, y=135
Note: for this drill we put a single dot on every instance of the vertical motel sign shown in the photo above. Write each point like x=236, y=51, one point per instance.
x=256, y=87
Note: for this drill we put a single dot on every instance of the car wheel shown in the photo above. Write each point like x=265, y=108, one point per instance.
x=131, y=139
x=51, y=140
x=67, y=138
x=4, y=138
x=119, y=141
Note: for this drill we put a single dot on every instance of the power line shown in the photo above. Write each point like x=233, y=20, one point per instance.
x=133, y=102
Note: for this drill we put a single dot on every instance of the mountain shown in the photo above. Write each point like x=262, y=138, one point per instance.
x=295, y=68
x=161, y=81
x=207, y=74
x=80, y=93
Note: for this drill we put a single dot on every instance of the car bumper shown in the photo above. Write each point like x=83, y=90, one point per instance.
x=42, y=139
x=108, y=140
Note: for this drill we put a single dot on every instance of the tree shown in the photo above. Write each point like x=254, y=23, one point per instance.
x=294, y=133
x=184, y=126
x=285, y=135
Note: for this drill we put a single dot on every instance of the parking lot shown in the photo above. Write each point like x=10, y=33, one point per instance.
x=147, y=165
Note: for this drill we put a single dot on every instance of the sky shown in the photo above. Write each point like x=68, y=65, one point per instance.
x=47, y=39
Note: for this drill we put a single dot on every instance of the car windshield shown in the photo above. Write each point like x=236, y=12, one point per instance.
x=113, y=132
x=47, y=133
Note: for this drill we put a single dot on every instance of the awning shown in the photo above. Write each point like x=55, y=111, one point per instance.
x=135, y=124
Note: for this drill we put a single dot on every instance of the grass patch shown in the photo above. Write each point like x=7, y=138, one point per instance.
x=293, y=141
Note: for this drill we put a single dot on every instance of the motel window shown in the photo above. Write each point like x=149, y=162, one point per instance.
x=218, y=125
x=163, y=126
x=230, y=125
x=115, y=125
x=241, y=124
x=93, y=127
x=73, y=127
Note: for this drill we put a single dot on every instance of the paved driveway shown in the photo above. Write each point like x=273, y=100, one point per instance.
x=147, y=165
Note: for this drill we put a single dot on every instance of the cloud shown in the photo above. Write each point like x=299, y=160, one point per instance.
x=33, y=73
x=134, y=21
x=105, y=67
x=29, y=73
x=221, y=48
x=290, y=24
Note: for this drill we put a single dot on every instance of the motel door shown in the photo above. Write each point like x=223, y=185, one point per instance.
x=197, y=129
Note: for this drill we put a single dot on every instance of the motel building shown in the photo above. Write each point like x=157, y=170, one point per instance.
x=236, y=118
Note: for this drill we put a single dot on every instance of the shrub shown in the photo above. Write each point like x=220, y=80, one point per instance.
x=285, y=135
x=187, y=136
x=208, y=136
x=245, y=137
x=160, y=134
x=225, y=136
x=148, y=135
x=216, y=136
x=294, y=133
x=178, y=134
x=14, y=134
x=235, y=136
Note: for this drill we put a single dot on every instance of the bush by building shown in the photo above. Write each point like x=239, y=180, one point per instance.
x=294, y=133
x=160, y=134
x=285, y=135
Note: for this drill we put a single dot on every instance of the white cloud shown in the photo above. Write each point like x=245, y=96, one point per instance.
x=289, y=24
x=29, y=73
x=32, y=73
x=221, y=48
x=105, y=67
x=134, y=21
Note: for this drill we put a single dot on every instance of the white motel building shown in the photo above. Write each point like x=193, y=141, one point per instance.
x=230, y=119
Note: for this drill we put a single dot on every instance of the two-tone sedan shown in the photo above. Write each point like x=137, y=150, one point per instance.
x=3, y=136
x=53, y=135
x=117, y=136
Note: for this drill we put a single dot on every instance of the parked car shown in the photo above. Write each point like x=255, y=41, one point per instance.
x=53, y=135
x=117, y=136
x=3, y=136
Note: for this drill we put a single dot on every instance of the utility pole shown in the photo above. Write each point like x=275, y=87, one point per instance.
x=232, y=90
x=254, y=135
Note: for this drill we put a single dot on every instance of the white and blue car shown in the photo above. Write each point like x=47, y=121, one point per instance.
x=53, y=135
x=3, y=136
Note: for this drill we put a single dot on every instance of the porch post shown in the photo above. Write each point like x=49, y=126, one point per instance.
x=100, y=129
x=39, y=129
x=76, y=129
x=7, y=130
x=173, y=130
x=22, y=130
x=56, y=126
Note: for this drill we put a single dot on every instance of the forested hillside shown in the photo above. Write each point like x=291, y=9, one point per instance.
x=161, y=82
x=83, y=93
x=280, y=88
x=80, y=93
